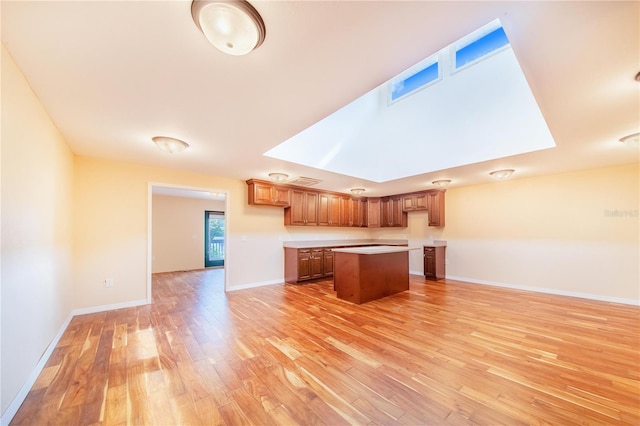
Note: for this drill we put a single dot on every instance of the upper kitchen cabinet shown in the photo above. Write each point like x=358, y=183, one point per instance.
x=304, y=208
x=374, y=210
x=329, y=209
x=267, y=194
x=392, y=213
x=435, y=205
x=414, y=202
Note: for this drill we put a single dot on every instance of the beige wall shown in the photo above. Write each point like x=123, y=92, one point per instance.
x=572, y=233
x=37, y=173
x=178, y=232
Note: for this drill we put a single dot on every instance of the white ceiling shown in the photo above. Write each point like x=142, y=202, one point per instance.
x=113, y=74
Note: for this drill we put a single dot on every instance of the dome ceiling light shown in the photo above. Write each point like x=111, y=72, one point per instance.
x=442, y=183
x=170, y=145
x=502, y=174
x=233, y=26
x=278, y=177
x=632, y=140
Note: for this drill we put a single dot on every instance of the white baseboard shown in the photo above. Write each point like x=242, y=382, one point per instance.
x=548, y=291
x=254, y=285
x=12, y=409
x=94, y=309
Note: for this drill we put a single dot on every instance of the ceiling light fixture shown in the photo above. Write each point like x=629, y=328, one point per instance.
x=442, y=183
x=502, y=174
x=233, y=26
x=357, y=191
x=637, y=77
x=278, y=177
x=170, y=145
x=632, y=141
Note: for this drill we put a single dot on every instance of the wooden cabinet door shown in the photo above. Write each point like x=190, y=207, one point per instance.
x=430, y=263
x=296, y=213
x=261, y=193
x=436, y=208
x=374, y=219
x=317, y=262
x=280, y=196
x=346, y=211
x=361, y=214
x=385, y=211
x=328, y=210
x=398, y=218
x=328, y=262
x=413, y=202
x=311, y=208
x=324, y=207
x=304, y=264
x=303, y=210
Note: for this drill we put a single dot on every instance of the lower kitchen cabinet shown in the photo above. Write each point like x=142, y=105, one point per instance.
x=307, y=264
x=434, y=262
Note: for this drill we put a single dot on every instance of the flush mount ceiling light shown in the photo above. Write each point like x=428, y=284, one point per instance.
x=357, y=191
x=441, y=183
x=170, y=145
x=278, y=177
x=502, y=174
x=233, y=26
x=631, y=140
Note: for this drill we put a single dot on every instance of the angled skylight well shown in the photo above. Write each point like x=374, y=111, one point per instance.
x=467, y=103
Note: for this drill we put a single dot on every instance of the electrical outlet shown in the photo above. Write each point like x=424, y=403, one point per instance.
x=108, y=282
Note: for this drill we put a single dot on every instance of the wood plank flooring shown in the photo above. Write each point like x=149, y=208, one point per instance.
x=441, y=353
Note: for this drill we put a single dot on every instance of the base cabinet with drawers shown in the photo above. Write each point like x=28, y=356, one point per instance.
x=434, y=262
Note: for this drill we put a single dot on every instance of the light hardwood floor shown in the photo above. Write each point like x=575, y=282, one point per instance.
x=441, y=353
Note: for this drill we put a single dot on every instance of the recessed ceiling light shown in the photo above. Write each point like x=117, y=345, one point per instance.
x=632, y=140
x=278, y=177
x=170, y=145
x=233, y=26
x=442, y=182
x=502, y=174
x=357, y=191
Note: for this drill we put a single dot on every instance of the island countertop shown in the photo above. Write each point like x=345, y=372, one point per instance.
x=343, y=243
x=374, y=249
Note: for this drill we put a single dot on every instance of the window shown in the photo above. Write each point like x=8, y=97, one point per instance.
x=420, y=79
x=481, y=47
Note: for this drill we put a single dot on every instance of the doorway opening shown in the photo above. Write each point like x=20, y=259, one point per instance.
x=172, y=238
x=213, y=239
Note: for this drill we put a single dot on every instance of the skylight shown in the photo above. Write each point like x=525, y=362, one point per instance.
x=467, y=103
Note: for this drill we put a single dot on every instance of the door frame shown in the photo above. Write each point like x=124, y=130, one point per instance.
x=150, y=186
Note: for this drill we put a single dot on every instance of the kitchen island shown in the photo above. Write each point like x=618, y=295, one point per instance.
x=363, y=274
x=311, y=260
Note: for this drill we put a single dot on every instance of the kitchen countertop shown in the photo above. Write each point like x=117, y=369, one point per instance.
x=436, y=243
x=374, y=249
x=343, y=243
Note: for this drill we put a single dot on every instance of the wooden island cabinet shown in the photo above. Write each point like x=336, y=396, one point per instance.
x=363, y=274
